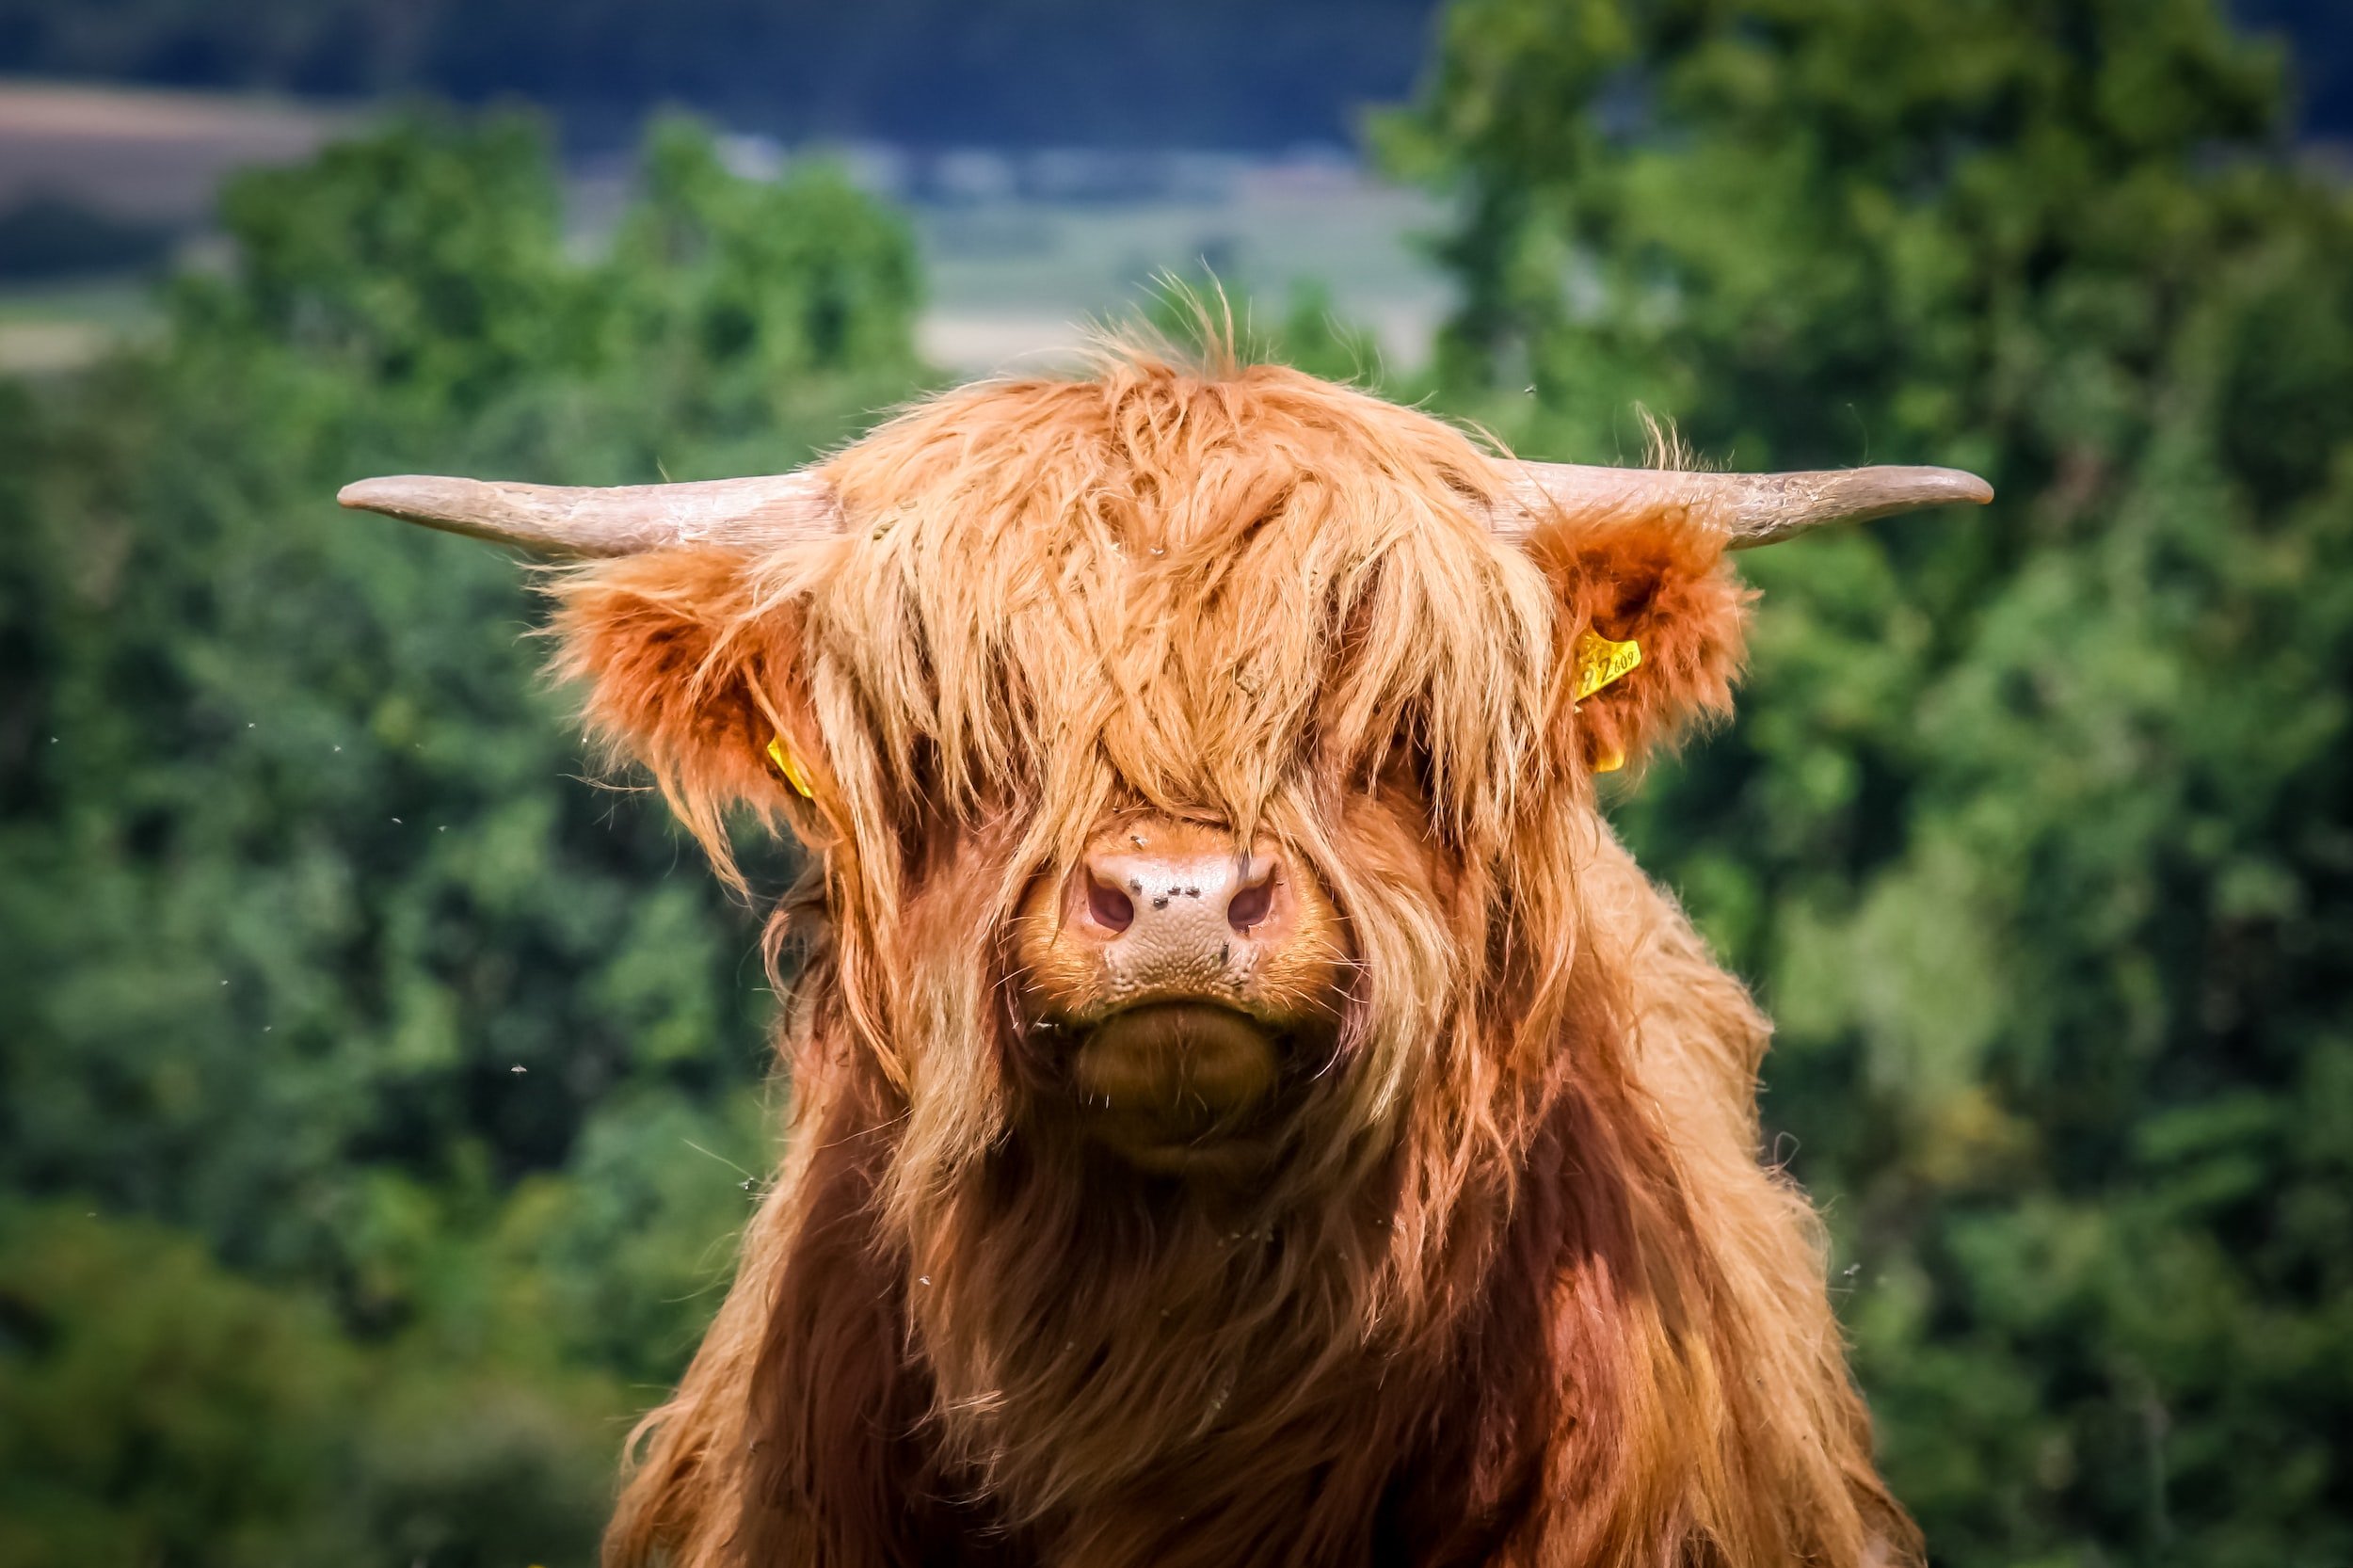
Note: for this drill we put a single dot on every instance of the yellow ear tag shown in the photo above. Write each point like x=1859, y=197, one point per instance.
x=1599, y=662
x=790, y=765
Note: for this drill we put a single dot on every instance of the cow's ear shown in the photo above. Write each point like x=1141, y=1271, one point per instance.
x=1652, y=628
x=688, y=673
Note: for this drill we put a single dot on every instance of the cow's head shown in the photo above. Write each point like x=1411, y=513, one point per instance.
x=1196, y=764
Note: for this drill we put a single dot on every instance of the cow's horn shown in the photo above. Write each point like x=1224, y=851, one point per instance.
x=1754, y=508
x=549, y=520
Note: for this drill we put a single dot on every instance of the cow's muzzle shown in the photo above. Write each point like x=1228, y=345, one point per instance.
x=1181, y=976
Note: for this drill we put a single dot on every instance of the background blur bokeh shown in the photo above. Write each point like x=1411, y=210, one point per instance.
x=379, y=1100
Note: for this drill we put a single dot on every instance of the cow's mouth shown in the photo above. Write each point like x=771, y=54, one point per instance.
x=1172, y=1085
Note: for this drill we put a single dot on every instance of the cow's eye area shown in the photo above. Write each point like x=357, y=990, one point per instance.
x=1407, y=771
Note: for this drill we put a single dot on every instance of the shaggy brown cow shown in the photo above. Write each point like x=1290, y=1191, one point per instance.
x=1248, y=1108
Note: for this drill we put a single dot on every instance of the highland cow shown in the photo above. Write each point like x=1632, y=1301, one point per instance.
x=1247, y=1108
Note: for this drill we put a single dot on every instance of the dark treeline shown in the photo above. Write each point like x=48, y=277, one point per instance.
x=1212, y=73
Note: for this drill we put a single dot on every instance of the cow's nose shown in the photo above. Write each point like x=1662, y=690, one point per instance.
x=1167, y=919
x=1177, y=911
x=1154, y=893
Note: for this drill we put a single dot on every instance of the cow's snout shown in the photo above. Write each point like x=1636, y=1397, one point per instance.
x=1160, y=910
x=1173, y=917
x=1171, y=974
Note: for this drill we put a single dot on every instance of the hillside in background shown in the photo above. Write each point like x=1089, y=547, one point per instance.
x=101, y=188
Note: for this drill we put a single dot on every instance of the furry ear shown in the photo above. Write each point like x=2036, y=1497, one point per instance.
x=1661, y=582
x=688, y=673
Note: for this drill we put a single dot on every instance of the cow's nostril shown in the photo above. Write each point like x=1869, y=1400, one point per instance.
x=1251, y=905
x=1113, y=909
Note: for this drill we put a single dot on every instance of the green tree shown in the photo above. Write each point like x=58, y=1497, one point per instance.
x=158, y=1409
x=163, y=1410
x=2037, y=825
x=318, y=952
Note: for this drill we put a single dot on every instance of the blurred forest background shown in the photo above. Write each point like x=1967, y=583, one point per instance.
x=378, y=1100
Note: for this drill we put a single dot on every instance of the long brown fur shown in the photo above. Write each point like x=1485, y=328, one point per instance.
x=1518, y=1291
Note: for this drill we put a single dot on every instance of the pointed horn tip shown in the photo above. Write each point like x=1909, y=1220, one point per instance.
x=472, y=507
x=396, y=495
x=1884, y=490
x=1957, y=486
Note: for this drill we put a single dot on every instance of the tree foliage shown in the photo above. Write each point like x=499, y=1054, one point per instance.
x=2036, y=826
x=320, y=950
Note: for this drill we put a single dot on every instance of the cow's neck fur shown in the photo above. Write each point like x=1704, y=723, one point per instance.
x=996, y=1385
